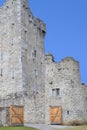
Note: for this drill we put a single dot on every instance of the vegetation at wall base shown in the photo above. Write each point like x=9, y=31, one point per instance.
x=17, y=128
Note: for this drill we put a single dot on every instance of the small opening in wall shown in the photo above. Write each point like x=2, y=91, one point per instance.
x=35, y=24
x=7, y=6
x=36, y=73
x=13, y=24
x=12, y=74
x=82, y=83
x=56, y=92
x=1, y=56
x=43, y=33
x=1, y=72
x=26, y=8
x=25, y=31
x=72, y=81
x=59, y=69
x=23, y=5
x=67, y=112
x=51, y=82
x=12, y=44
x=34, y=53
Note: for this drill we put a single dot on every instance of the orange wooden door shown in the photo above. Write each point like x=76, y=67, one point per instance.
x=16, y=115
x=56, y=115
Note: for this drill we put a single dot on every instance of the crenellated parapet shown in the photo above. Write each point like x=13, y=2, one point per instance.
x=49, y=58
x=40, y=25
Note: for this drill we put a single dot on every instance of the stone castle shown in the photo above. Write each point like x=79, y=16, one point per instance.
x=50, y=92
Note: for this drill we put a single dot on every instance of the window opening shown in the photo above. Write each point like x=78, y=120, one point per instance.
x=36, y=73
x=13, y=75
x=1, y=72
x=12, y=42
x=67, y=112
x=56, y=92
x=13, y=24
x=1, y=56
x=7, y=6
x=34, y=53
x=51, y=82
x=25, y=31
x=53, y=92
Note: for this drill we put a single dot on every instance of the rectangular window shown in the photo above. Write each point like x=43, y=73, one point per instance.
x=53, y=92
x=56, y=92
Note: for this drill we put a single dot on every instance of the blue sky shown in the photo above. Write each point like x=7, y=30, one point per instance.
x=66, y=22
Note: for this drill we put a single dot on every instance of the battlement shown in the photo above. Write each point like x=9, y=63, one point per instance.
x=66, y=59
x=49, y=58
x=30, y=79
x=40, y=25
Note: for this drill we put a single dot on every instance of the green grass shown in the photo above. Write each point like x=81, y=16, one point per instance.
x=17, y=128
x=73, y=128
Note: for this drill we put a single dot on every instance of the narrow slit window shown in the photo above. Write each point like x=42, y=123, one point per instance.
x=1, y=72
x=34, y=53
x=67, y=112
x=13, y=75
x=36, y=73
x=12, y=42
x=1, y=56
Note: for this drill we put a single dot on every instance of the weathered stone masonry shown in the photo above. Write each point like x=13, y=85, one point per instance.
x=31, y=79
x=65, y=76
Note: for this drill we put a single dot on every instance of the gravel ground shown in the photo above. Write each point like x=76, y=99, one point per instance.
x=45, y=127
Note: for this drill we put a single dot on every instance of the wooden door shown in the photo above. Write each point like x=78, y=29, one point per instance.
x=56, y=115
x=16, y=115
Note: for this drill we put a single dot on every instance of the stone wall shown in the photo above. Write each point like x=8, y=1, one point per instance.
x=32, y=50
x=22, y=56
x=10, y=49
x=64, y=76
x=3, y=116
x=29, y=78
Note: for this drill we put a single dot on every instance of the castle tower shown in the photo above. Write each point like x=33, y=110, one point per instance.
x=10, y=48
x=64, y=94
x=21, y=56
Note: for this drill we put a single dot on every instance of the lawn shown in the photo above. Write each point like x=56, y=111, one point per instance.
x=73, y=128
x=17, y=128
